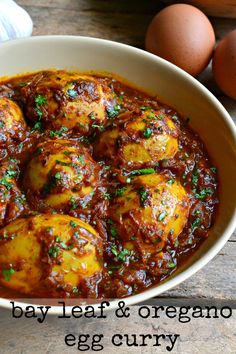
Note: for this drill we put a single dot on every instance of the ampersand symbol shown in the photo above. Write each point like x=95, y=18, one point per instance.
x=122, y=311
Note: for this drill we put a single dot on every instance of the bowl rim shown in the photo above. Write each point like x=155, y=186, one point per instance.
x=214, y=249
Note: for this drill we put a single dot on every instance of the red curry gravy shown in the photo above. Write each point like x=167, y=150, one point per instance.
x=137, y=252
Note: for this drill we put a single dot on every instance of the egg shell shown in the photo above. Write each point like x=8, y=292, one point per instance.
x=183, y=35
x=224, y=64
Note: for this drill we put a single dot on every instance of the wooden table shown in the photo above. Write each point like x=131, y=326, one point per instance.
x=126, y=21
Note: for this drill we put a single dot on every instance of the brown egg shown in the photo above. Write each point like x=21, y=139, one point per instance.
x=224, y=64
x=183, y=35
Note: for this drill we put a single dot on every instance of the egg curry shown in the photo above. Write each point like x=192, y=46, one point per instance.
x=104, y=190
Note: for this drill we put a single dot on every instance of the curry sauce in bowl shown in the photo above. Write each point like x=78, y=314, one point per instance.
x=105, y=191
x=117, y=173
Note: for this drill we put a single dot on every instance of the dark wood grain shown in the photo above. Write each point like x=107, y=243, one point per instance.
x=123, y=21
x=127, y=21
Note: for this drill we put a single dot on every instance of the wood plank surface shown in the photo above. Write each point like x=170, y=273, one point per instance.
x=200, y=336
x=222, y=8
x=126, y=21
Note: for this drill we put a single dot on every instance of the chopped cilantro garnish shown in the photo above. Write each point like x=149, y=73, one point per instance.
x=20, y=199
x=66, y=247
x=196, y=223
x=75, y=290
x=73, y=224
x=100, y=127
x=39, y=151
x=120, y=192
x=161, y=216
x=195, y=177
x=143, y=194
x=5, y=183
x=73, y=203
x=151, y=115
x=113, y=231
x=176, y=244
x=114, y=250
x=107, y=196
x=142, y=171
x=114, y=111
x=53, y=251
x=40, y=100
x=214, y=169
x=171, y=181
x=72, y=93
x=62, y=163
x=203, y=193
x=171, y=265
x=2, y=124
x=7, y=273
x=67, y=153
x=59, y=133
x=84, y=204
x=20, y=147
x=91, y=115
x=122, y=255
x=81, y=159
x=57, y=175
x=76, y=234
x=147, y=133
x=37, y=126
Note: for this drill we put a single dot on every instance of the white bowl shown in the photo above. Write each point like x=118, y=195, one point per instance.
x=173, y=86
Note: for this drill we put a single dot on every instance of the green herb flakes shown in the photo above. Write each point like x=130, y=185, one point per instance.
x=54, y=251
x=143, y=194
x=161, y=216
x=142, y=171
x=40, y=100
x=7, y=273
x=122, y=255
x=147, y=133
x=145, y=108
x=114, y=250
x=203, y=193
x=73, y=224
x=80, y=158
x=57, y=175
x=171, y=265
x=196, y=223
x=214, y=169
x=120, y=192
x=72, y=93
x=195, y=177
x=114, y=111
